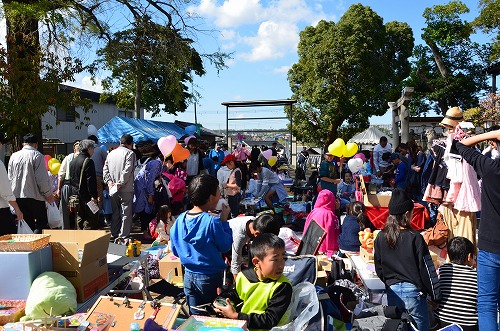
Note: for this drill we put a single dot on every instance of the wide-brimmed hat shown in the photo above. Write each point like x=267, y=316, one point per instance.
x=228, y=158
x=452, y=117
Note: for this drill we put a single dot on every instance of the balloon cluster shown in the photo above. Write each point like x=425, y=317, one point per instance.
x=268, y=154
x=341, y=149
x=169, y=146
x=52, y=164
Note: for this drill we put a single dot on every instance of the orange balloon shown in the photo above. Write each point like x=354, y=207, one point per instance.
x=180, y=153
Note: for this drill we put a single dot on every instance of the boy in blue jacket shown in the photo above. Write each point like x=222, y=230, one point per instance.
x=199, y=238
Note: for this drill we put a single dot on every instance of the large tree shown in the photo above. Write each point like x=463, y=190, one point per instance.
x=151, y=67
x=347, y=71
x=56, y=35
x=489, y=21
x=448, y=70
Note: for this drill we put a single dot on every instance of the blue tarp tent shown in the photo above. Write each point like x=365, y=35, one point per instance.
x=141, y=130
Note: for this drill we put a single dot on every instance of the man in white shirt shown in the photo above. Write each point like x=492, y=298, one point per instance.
x=30, y=183
x=118, y=173
x=378, y=150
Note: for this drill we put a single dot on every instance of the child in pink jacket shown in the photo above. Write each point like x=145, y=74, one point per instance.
x=324, y=214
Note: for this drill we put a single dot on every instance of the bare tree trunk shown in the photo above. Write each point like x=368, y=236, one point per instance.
x=438, y=59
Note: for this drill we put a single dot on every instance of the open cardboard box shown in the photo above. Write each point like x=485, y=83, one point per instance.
x=88, y=274
x=374, y=200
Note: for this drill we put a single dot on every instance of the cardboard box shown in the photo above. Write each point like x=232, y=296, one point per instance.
x=80, y=256
x=171, y=269
x=365, y=255
x=19, y=269
x=374, y=200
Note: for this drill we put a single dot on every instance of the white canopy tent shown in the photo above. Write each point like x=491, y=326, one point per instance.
x=368, y=138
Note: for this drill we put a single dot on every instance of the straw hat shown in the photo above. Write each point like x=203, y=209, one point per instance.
x=452, y=117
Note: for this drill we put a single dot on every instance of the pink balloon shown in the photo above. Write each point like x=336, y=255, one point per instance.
x=186, y=140
x=268, y=153
x=167, y=144
x=360, y=156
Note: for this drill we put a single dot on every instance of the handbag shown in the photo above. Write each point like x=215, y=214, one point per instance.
x=74, y=199
x=438, y=234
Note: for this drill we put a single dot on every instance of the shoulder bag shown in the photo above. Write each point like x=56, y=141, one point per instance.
x=74, y=199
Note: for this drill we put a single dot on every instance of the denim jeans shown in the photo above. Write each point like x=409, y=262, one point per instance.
x=407, y=297
x=201, y=289
x=488, y=288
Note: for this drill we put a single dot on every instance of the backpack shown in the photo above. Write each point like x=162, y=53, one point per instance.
x=438, y=234
x=139, y=165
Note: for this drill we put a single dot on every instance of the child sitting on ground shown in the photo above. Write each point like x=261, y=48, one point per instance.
x=199, y=239
x=353, y=223
x=160, y=226
x=264, y=290
x=458, y=281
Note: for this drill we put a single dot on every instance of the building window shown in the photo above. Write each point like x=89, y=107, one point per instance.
x=66, y=116
x=125, y=113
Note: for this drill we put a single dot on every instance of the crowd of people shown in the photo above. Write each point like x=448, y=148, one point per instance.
x=194, y=206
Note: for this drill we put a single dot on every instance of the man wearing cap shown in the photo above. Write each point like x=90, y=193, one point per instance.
x=30, y=183
x=382, y=147
x=329, y=173
x=99, y=157
x=118, y=173
x=401, y=171
x=232, y=187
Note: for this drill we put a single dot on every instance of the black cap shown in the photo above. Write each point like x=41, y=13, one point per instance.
x=394, y=156
x=400, y=202
x=30, y=138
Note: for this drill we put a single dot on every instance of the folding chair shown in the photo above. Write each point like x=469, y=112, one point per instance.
x=312, y=239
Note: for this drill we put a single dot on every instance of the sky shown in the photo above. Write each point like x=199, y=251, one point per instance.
x=262, y=36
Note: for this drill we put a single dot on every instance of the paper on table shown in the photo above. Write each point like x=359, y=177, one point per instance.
x=94, y=208
x=113, y=189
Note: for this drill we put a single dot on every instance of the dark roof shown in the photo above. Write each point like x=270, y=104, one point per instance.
x=252, y=103
x=203, y=131
x=94, y=96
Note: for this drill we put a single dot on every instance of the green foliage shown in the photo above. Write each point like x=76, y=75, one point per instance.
x=347, y=72
x=490, y=106
x=448, y=70
x=489, y=21
x=153, y=62
x=30, y=76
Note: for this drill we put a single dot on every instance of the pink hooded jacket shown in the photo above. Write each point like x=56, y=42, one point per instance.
x=323, y=214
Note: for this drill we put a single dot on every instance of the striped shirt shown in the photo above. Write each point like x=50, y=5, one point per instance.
x=459, y=294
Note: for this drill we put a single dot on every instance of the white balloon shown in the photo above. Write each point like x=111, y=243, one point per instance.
x=92, y=130
x=355, y=164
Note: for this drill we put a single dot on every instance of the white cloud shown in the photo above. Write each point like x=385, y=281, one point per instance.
x=281, y=70
x=270, y=28
x=273, y=40
x=231, y=13
x=86, y=83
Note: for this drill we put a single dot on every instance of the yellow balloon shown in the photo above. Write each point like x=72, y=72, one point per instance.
x=54, y=168
x=52, y=161
x=337, y=148
x=272, y=161
x=351, y=149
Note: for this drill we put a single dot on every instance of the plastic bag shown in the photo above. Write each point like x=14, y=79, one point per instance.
x=303, y=307
x=54, y=215
x=23, y=228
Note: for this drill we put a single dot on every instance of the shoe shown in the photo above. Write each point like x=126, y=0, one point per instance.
x=120, y=241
